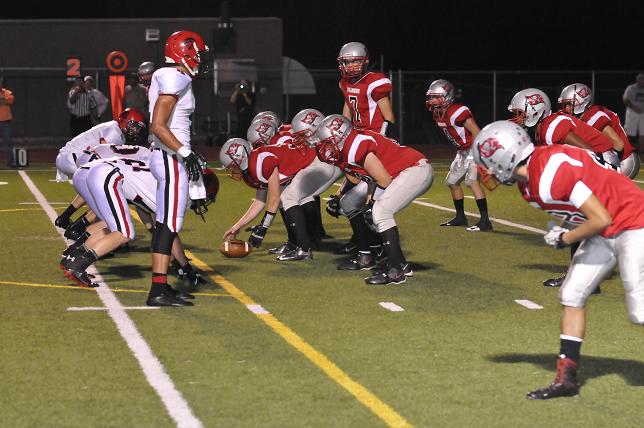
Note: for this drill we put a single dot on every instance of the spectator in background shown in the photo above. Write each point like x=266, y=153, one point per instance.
x=6, y=100
x=634, y=120
x=81, y=107
x=101, y=100
x=136, y=95
x=243, y=98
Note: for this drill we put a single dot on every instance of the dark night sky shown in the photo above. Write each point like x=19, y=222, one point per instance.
x=423, y=34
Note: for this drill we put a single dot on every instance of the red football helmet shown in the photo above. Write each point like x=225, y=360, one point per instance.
x=132, y=122
x=187, y=48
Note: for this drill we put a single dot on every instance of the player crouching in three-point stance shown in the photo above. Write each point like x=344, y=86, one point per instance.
x=397, y=174
x=173, y=162
x=613, y=232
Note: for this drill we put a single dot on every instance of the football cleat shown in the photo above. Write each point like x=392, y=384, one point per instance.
x=481, y=226
x=564, y=385
x=167, y=299
x=294, y=255
x=392, y=276
x=82, y=278
x=405, y=268
x=363, y=261
x=347, y=248
x=554, y=282
x=179, y=294
x=282, y=249
x=456, y=221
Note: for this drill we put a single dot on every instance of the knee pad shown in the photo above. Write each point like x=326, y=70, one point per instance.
x=162, y=239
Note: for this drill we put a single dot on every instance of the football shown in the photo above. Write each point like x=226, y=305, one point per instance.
x=235, y=248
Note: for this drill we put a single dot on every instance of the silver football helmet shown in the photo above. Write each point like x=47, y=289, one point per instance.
x=500, y=147
x=260, y=132
x=269, y=115
x=530, y=106
x=304, y=125
x=331, y=135
x=575, y=99
x=353, y=60
x=234, y=156
x=439, y=95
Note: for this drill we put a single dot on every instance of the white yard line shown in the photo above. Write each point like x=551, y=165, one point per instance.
x=529, y=304
x=391, y=306
x=154, y=372
x=639, y=181
x=257, y=309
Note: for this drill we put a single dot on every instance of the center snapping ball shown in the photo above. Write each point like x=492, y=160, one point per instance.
x=235, y=248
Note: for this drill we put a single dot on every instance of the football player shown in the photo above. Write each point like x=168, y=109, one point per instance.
x=285, y=174
x=397, y=174
x=576, y=99
x=459, y=126
x=612, y=233
x=127, y=128
x=173, y=162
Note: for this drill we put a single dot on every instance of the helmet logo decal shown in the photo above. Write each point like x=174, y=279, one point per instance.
x=263, y=127
x=534, y=99
x=488, y=147
x=310, y=118
x=583, y=92
x=335, y=124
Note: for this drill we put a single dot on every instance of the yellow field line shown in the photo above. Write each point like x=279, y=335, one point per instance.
x=362, y=394
x=20, y=209
x=116, y=290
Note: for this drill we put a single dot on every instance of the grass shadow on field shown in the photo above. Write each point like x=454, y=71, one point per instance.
x=631, y=371
x=546, y=267
x=125, y=272
x=525, y=237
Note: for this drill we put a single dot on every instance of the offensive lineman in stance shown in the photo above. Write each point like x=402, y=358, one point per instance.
x=173, y=162
x=612, y=233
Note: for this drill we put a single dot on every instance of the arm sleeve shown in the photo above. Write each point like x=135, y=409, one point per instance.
x=567, y=186
x=557, y=135
x=381, y=91
x=463, y=116
x=172, y=83
x=357, y=154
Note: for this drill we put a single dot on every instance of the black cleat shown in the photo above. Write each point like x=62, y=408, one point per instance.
x=481, y=226
x=347, y=248
x=597, y=290
x=564, y=385
x=82, y=279
x=555, y=282
x=282, y=249
x=297, y=254
x=363, y=261
x=456, y=221
x=405, y=268
x=167, y=299
x=180, y=294
x=392, y=276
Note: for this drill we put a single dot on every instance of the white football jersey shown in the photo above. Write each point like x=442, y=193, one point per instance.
x=171, y=81
x=103, y=133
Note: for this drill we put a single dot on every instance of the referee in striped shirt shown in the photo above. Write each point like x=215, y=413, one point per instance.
x=82, y=107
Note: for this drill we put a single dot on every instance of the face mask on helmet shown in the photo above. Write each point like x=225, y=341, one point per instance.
x=436, y=102
x=575, y=99
x=518, y=117
x=352, y=67
x=188, y=49
x=328, y=151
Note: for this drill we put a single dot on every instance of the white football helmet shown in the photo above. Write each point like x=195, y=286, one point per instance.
x=530, y=106
x=331, y=135
x=269, y=115
x=500, y=147
x=260, y=132
x=353, y=60
x=439, y=95
x=234, y=156
x=575, y=99
x=304, y=125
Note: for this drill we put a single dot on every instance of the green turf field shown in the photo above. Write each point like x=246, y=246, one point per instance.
x=319, y=351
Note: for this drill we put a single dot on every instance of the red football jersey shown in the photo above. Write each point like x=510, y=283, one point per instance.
x=568, y=213
x=562, y=174
x=362, y=98
x=287, y=159
x=599, y=117
x=554, y=128
x=451, y=122
x=394, y=157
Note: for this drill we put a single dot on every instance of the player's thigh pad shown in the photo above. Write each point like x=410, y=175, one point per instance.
x=630, y=166
x=80, y=184
x=410, y=183
x=106, y=185
x=458, y=168
x=355, y=198
x=630, y=248
x=308, y=183
x=172, y=189
x=593, y=261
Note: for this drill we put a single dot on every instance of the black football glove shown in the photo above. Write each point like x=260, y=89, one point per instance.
x=257, y=234
x=196, y=279
x=62, y=221
x=368, y=214
x=333, y=206
x=194, y=165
